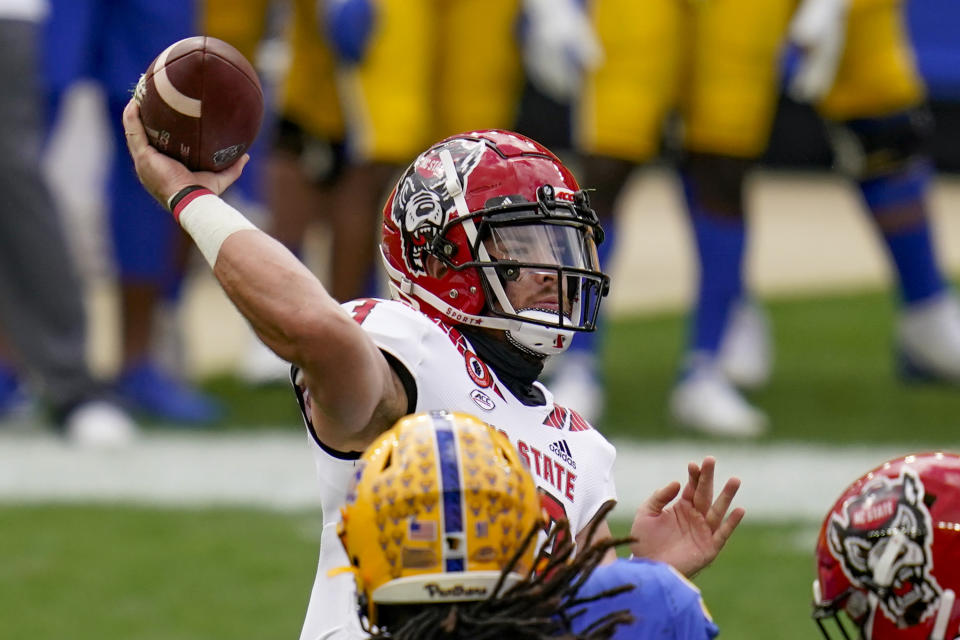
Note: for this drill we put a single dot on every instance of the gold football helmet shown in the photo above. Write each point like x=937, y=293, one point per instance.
x=439, y=506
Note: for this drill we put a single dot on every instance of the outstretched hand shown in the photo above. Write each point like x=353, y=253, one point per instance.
x=689, y=533
x=163, y=176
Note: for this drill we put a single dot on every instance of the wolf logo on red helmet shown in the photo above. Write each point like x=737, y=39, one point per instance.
x=888, y=554
x=896, y=566
x=423, y=200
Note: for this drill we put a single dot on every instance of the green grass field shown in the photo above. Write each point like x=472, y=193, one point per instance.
x=151, y=574
x=131, y=572
x=136, y=573
x=834, y=380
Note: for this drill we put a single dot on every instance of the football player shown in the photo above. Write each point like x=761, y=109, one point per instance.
x=716, y=64
x=439, y=526
x=875, y=94
x=490, y=247
x=888, y=555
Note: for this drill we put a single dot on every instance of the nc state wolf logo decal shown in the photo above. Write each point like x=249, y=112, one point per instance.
x=422, y=202
x=883, y=542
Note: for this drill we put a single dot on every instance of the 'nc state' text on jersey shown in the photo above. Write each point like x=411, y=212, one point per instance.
x=549, y=470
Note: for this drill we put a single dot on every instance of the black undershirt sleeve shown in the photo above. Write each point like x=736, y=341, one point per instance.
x=405, y=379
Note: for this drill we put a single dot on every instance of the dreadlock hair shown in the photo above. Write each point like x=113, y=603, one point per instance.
x=542, y=606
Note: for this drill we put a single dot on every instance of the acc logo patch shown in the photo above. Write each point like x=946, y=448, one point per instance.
x=477, y=370
x=482, y=400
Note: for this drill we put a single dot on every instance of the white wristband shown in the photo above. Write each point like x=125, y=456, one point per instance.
x=209, y=221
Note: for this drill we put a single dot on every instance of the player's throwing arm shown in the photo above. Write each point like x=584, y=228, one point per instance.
x=350, y=382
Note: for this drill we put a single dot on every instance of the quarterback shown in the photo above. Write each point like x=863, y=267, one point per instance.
x=490, y=246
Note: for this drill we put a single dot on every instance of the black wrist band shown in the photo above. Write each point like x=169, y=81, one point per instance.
x=180, y=195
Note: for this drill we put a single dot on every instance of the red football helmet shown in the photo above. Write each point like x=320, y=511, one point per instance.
x=494, y=207
x=888, y=555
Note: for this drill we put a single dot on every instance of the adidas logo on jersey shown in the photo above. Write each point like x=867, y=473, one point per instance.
x=561, y=449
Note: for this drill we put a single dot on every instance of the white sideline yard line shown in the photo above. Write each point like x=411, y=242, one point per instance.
x=275, y=470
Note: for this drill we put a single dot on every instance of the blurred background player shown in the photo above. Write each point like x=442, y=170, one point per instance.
x=888, y=554
x=876, y=96
x=724, y=82
x=298, y=175
x=112, y=42
x=456, y=556
x=714, y=64
x=42, y=318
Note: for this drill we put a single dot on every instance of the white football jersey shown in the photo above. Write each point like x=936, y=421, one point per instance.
x=571, y=462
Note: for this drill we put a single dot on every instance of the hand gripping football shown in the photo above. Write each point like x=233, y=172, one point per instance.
x=201, y=103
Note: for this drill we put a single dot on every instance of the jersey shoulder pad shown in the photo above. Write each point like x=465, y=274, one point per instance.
x=399, y=329
x=388, y=321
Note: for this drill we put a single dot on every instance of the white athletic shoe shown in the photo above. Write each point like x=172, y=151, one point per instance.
x=929, y=340
x=99, y=424
x=576, y=385
x=261, y=366
x=746, y=355
x=706, y=402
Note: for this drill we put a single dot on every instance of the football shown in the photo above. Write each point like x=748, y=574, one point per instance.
x=201, y=102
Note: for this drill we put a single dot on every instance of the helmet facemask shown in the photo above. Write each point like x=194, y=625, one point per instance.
x=538, y=265
x=848, y=613
x=851, y=614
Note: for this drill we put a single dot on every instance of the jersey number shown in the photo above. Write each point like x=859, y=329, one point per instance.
x=556, y=512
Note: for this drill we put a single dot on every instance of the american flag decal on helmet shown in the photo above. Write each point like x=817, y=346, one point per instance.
x=425, y=531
